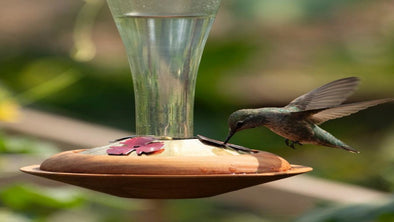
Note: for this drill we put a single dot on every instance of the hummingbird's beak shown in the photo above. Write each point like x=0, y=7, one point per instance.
x=230, y=134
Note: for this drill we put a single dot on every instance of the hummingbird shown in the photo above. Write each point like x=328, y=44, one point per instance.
x=299, y=121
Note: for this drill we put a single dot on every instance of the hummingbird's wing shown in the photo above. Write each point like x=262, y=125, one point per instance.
x=328, y=95
x=344, y=110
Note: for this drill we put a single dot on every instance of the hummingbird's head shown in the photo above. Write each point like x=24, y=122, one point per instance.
x=241, y=119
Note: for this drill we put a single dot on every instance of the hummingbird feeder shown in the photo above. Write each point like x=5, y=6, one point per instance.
x=164, y=40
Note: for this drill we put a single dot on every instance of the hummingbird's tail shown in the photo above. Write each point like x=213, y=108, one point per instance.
x=341, y=145
x=326, y=139
x=348, y=148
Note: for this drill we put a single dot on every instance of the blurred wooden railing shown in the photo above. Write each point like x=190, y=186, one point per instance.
x=289, y=196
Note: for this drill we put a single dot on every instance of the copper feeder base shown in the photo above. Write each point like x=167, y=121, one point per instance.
x=195, y=170
x=165, y=186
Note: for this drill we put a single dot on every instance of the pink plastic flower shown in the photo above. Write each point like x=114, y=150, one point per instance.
x=138, y=144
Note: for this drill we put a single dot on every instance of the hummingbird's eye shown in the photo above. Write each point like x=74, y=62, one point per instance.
x=239, y=124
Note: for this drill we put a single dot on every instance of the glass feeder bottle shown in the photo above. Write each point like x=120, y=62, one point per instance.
x=164, y=40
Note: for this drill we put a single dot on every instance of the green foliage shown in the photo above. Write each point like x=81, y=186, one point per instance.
x=378, y=212
x=21, y=144
x=287, y=10
x=220, y=59
x=36, y=201
x=203, y=210
x=9, y=216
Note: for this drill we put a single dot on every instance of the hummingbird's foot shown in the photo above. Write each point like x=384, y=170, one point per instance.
x=298, y=143
x=287, y=142
x=291, y=143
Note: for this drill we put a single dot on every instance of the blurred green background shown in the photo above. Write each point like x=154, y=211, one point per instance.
x=66, y=57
